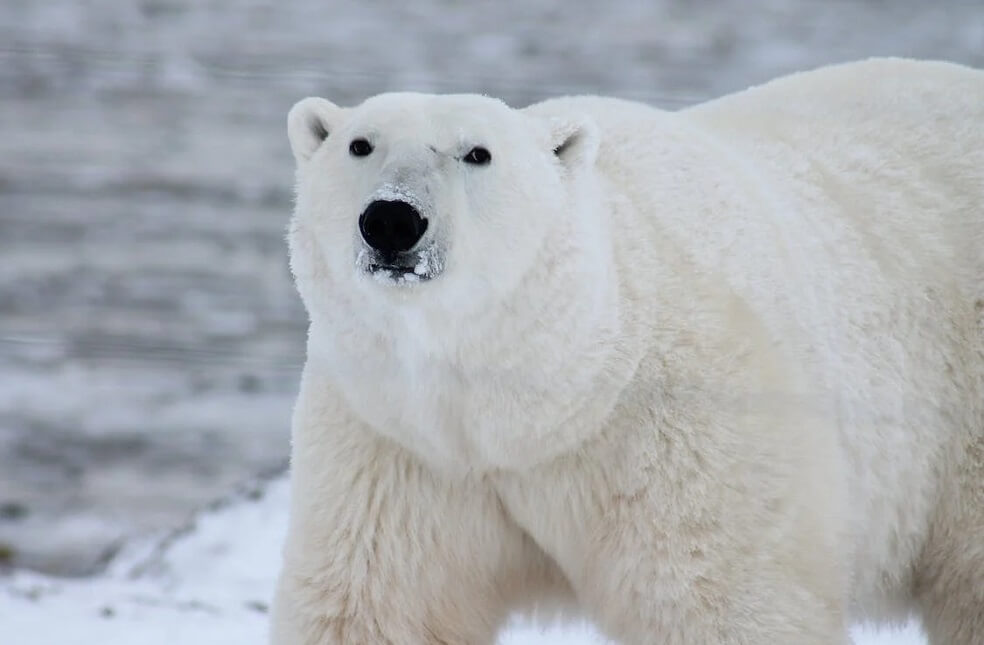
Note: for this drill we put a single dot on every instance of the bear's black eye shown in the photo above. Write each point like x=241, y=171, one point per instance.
x=360, y=148
x=478, y=156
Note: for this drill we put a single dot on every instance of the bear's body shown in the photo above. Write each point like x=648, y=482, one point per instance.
x=713, y=376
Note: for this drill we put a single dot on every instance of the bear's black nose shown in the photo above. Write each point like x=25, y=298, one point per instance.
x=391, y=227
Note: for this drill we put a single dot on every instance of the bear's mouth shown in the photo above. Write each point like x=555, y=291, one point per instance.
x=397, y=272
x=401, y=268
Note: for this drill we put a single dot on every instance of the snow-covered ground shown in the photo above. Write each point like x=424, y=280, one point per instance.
x=208, y=584
x=150, y=338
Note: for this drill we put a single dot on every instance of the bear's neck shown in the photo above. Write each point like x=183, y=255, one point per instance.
x=528, y=381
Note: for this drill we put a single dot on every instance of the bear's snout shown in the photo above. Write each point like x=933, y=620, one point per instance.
x=391, y=227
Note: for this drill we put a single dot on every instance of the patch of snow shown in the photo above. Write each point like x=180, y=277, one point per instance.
x=398, y=193
x=430, y=262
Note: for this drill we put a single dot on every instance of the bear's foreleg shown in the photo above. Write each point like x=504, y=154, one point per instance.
x=381, y=549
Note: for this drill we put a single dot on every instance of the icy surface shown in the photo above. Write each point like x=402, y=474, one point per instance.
x=208, y=584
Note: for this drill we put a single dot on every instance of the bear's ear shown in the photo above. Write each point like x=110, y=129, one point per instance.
x=309, y=123
x=574, y=140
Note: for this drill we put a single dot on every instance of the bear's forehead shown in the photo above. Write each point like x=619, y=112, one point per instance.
x=459, y=112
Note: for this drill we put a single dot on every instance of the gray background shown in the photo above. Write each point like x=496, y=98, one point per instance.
x=150, y=337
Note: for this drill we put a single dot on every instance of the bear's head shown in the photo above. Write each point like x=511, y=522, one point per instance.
x=451, y=242
x=446, y=198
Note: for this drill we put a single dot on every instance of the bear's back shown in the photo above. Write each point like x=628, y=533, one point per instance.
x=901, y=141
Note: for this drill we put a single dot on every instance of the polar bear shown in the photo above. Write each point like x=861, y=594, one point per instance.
x=707, y=376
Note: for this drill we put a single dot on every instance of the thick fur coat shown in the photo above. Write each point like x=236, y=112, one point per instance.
x=708, y=376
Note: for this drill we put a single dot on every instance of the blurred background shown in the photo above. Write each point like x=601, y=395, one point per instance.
x=150, y=336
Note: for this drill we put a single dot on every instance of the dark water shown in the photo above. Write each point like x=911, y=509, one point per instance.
x=150, y=338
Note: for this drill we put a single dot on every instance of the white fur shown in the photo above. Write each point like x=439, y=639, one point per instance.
x=713, y=376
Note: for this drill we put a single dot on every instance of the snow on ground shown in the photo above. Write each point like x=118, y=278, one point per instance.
x=145, y=183
x=207, y=584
